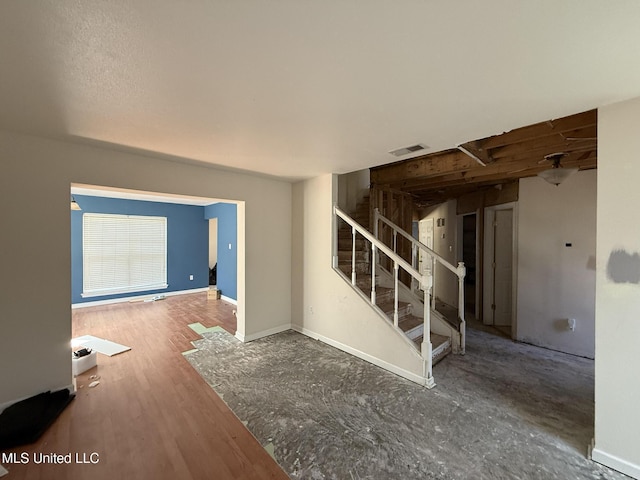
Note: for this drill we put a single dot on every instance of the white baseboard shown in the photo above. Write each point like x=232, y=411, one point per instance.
x=265, y=333
x=137, y=298
x=364, y=356
x=616, y=463
x=4, y=405
x=228, y=299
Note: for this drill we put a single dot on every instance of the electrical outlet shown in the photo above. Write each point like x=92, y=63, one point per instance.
x=190, y=277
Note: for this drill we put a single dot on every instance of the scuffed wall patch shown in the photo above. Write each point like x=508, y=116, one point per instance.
x=624, y=267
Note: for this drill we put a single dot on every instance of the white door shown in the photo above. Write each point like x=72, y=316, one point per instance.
x=425, y=235
x=502, y=267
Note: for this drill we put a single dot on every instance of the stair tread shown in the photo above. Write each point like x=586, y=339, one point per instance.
x=409, y=322
x=389, y=306
x=449, y=313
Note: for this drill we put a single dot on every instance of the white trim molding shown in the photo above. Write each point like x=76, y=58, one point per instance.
x=419, y=379
x=264, y=333
x=616, y=463
x=137, y=298
x=228, y=299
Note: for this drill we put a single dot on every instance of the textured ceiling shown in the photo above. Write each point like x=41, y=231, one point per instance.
x=297, y=88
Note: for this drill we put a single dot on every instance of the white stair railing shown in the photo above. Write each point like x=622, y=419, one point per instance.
x=416, y=246
x=398, y=263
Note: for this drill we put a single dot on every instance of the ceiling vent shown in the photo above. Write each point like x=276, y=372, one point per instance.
x=399, y=152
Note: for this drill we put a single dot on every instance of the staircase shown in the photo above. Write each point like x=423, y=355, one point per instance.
x=409, y=314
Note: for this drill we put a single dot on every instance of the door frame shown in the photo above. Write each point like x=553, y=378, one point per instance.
x=489, y=217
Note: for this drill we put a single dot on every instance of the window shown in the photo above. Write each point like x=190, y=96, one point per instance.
x=123, y=253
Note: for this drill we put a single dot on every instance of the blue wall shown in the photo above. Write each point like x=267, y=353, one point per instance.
x=227, y=271
x=187, y=242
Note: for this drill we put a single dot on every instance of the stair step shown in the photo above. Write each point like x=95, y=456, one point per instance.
x=345, y=256
x=362, y=268
x=440, y=346
x=346, y=243
x=404, y=309
x=410, y=322
x=363, y=282
x=449, y=314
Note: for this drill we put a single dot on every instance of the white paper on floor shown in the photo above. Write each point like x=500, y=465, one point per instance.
x=106, y=347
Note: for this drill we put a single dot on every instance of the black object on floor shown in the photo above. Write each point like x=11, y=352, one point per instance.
x=24, y=422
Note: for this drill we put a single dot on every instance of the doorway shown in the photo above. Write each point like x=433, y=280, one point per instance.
x=213, y=251
x=469, y=257
x=499, y=271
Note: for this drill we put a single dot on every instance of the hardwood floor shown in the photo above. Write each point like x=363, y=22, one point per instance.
x=152, y=416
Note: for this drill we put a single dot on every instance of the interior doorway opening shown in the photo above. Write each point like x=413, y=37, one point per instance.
x=469, y=257
x=213, y=252
x=500, y=268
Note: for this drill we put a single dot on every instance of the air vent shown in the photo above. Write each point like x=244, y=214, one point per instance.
x=399, y=152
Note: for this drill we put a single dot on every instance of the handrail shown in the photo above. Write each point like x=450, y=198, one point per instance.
x=426, y=349
x=414, y=242
x=379, y=244
x=460, y=270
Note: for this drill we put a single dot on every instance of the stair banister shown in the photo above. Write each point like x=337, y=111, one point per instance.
x=353, y=256
x=402, y=263
x=459, y=271
x=398, y=262
x=373, y=273
x=396, y=228
x=462, y=271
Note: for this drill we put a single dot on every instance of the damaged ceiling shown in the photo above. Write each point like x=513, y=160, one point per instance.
x=495, y=161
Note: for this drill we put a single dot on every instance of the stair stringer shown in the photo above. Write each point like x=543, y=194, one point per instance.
x=411, y=347
x=438, y=324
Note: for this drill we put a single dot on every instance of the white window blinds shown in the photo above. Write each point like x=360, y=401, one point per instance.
x=123, y=253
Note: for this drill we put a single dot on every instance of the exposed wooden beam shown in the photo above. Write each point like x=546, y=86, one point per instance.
x=556, y=142
x=499, y=173
x=543, y=129
x=477, y=152
x=425, y=166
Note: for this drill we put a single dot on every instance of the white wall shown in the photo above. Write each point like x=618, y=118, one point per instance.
x=446, y=282
x=323, y=304
x=352, y=187
x=556, y=282
x=617, y=370
x=35, y=242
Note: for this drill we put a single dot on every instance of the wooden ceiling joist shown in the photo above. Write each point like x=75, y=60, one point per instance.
x=507, y=157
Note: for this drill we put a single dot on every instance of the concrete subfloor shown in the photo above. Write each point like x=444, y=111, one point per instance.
x=503, y=411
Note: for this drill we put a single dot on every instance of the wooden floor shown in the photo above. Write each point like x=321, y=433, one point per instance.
x=152, y=416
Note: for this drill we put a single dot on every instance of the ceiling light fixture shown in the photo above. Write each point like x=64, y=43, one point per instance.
x=74, y=204
x=557, y=173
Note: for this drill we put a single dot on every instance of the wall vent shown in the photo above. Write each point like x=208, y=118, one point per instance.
x=399, y=152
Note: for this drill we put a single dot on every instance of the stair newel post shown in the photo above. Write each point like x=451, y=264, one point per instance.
x=373, y=273
x=427, y=347
x=434, y=262
x=462, y=271
x=353, y=256
x=334, y=244
x=395, y=298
